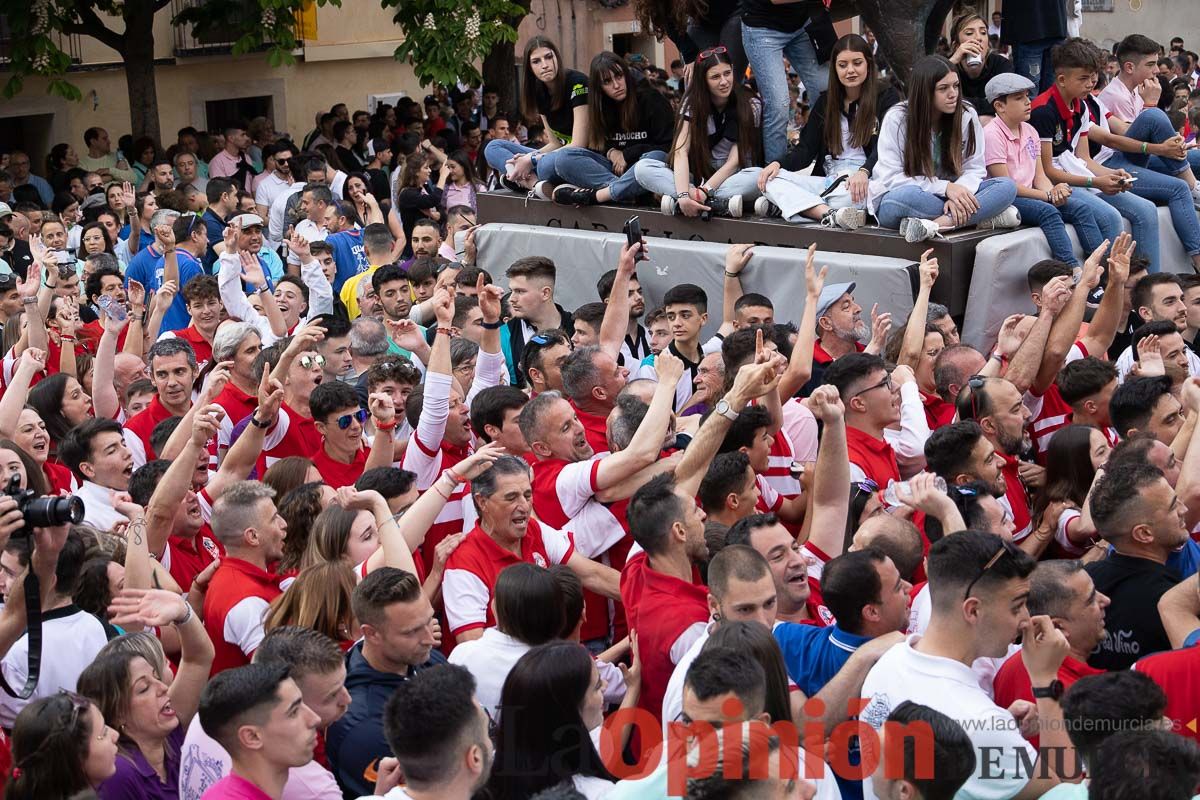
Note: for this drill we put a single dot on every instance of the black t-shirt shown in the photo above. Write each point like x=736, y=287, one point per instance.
x=562, y=120
x=784, y=17
x=1055, y=121
x=973, y=88
x=1133, y=625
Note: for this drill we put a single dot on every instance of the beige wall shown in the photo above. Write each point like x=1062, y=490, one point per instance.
x=1158, y=19
x=585, y=28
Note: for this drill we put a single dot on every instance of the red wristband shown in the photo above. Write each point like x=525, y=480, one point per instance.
x=385, y=426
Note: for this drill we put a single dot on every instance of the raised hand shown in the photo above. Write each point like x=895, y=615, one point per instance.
x=489, y=300
x=668, y=367
x=252, y=271
x=1055, y=295
x=137, y=296
x=166, y=294
x=33, y=360
x=1094, y=266
x=301, y=247
x=270, y=396
x=405, y=333
x=1011, y=335
x=154, y=608
x=737, y=257
x=903, y=374
x=1149, y=357
x=306, y=338
x=205, y=424
x=443, y=306
x=37, y=248
x=164, y=237
x=826, y=404
x=33, y=280
x=128, y=195
x=383, y=408
x=230, y=237
x=928, y=269
x=627, y=263
x=881, y=324
x=214, y=384
x=478, y=462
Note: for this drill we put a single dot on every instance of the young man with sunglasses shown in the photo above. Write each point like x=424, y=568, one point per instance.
x=872, y=399
x=343, y=457
x=979, y=583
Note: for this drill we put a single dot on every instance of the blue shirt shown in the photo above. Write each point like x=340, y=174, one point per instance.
x=1185, y=561
x=349, y=255
x=147, y=268
x=216, y=232
x=813, y=656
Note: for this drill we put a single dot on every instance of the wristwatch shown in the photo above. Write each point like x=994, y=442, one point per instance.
x=725, y=410
x=1051, y=691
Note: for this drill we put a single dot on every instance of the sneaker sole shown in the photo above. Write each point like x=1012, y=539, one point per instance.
x=567, y=186
x=857, y=218
x=667, y=206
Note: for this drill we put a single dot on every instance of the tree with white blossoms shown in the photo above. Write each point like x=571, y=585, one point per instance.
x=446, y=40
x=127, y=27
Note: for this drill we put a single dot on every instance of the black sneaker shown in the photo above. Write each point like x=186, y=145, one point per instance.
x=725, y=206
x=569, y=195
x=512, y=185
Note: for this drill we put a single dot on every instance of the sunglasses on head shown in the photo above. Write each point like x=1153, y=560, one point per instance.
x=1006, y=547
x=719, y=50
x=343, y=422
x=308, y=362
x=975, y=384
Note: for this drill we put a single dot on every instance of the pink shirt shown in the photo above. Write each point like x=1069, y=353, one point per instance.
x=1122, y=101
x=233, y=787
x=1019, y=153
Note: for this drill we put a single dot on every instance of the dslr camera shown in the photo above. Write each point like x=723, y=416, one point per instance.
x=43, y=511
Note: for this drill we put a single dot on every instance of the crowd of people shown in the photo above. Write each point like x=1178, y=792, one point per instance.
x=356, y=521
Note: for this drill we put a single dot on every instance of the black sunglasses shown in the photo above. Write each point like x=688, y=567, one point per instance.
x=1006, y=547
x=975, y=384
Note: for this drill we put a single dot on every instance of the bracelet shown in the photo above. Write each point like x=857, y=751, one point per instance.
x=446, y=331
x=385, y=426
x=729, y=274
x=454, y=476
x=66, y=338
x=439, y=491
x=491, y=326
x=255, y=422
x=28, y=300
x=186, y=617
x=1145, y=147
x=1089, y=182
x=1049, y=197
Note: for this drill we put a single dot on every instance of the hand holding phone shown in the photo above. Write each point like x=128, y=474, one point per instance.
x=633, y=236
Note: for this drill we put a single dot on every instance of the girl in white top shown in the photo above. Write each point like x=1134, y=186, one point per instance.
x=930, y=175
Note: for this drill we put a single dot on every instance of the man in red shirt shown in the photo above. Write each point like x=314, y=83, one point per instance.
x=573, y=486
x=173, y=369
x=1175, y=670
x=840, y=330
x=999, y=408
x=592, y=379
x=872, y=401
x=203, y=301
x=1086, y=385
x=343, y=457
x=508, y=534
x=239, y=344
x=297, y=366
x=246, y=523
x=1063, y=591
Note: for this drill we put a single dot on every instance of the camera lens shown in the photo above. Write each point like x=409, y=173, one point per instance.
x=50, y=512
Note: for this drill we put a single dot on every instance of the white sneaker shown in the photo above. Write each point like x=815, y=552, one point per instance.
x=847, y=219
x=765, y=208
x=668, y=205
x=1008, y=218
x=915, y=229
x=543, y=190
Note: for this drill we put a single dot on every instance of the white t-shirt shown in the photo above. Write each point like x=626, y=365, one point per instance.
x=489, y=659
x=904, y=673
x=985, y=669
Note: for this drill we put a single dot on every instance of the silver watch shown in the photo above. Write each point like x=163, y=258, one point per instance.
x=725, y=410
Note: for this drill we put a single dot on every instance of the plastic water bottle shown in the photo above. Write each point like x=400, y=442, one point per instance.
x=903, y=489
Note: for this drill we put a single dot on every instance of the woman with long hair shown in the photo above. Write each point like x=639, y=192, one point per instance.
x=771, y=31
x=716, y=146
x=417, y=195
x=462, y=181
x=975, y=61
x=30, y=434
x=16, y=461
x=930, y=176
x=552, y=698
x=150, y=715
x=62, y=404
x=556, y=97
x=290, y=473
x=1072, y=458
x=342, y=534
x=319, y=599
x=629, y=121
x=60, y=746
x=299, y=508
x=839, y=142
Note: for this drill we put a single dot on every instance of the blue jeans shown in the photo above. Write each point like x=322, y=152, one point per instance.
x=1152, y=126
x=657, y=177
x=994, y=195
x=499, y=151
x=589, y=169
x=1143, y=222
x=766, y=48
x=1048, y=217
x=1032, y=59
x=1165, y=190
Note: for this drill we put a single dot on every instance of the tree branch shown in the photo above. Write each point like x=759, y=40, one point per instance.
x=91, y=25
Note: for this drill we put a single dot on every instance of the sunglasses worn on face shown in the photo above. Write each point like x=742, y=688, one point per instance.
x=308, y=362
x=343, y=422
